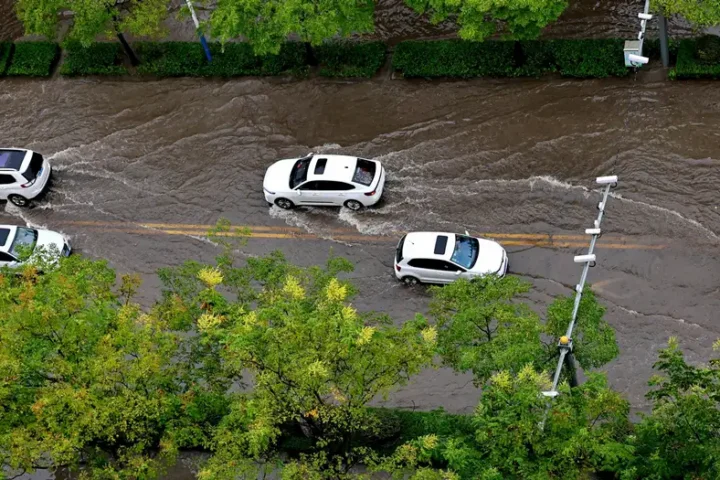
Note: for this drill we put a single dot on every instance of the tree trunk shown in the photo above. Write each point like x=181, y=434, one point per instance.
x=664, y=48
x=126, y=46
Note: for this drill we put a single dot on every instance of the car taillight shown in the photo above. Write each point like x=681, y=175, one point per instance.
x=370, y=194
x=28, y=184
x=397, y=267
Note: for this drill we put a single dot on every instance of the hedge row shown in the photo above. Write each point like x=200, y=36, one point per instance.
x=350, y=59
x=187, y=59
x=34, y=59
x=5, y=51
x=698, y=59
x=97, y=59
x=455, y=58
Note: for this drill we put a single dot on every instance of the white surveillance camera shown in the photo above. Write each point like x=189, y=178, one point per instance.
x=584, y=258
x=606, y=180
x=638, y=59
x=551, y=393
x=592, y=231
x=645, y=16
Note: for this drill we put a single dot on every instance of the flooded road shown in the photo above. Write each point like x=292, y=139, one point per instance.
x=142, y=168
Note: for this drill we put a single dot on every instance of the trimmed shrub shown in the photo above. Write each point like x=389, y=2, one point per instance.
x=34, y=59
x=350, y=59
x=690, y=65
x=5, y=51
x=534, y=58
x=596, y=58
x=455, y=58
x=187, y=59
x=97, y=59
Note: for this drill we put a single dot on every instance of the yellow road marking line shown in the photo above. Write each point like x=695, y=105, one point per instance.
x=260, y=228
x=366, y=238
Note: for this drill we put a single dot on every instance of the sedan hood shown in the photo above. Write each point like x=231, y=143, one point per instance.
x=277, y=176
x=490, y=258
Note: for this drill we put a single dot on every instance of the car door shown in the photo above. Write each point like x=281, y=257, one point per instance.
x=421, y=268
x=305, y=194
x=8, y=184
x=338, y=192
x=448, y=271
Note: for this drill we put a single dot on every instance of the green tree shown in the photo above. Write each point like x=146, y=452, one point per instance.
x=478, y=20
x=88, y=378
x=315, y=361
x=266, y=24
x=701, y=13
x=681, y=437
x=483, y=328
x=585, y=431
x=94, y=18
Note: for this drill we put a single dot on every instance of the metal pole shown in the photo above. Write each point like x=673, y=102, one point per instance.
x=203, y=42
x=664, y=49
x=565, y=343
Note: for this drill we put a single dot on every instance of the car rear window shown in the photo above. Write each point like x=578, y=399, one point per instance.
x=440, y=245
x=36, y=163
x=398, y=253
x=364, y=172
x=11, y=159
x=4, y=233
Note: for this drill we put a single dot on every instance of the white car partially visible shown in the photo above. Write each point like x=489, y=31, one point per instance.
x=436, y=257
x=324, y=180
x=15, y=242
x=24, y=174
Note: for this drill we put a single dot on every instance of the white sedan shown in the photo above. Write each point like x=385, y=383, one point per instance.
x=325, y=180
x=433, y=257
x=18, y=241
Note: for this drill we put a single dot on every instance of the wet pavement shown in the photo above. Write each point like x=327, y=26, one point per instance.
x=143, y=168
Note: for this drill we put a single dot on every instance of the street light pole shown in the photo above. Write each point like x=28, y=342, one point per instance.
x=203, y=42
x=634, y=48
x=565, y=345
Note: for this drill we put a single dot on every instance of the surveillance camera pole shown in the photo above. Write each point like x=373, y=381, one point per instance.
x=565, y=345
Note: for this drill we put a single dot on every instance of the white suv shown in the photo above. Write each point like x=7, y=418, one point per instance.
x=24, y=174
x=433, y=257
x=16, y=241
x=332, y=180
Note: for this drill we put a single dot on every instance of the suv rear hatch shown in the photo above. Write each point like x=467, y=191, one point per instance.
x=33, y=170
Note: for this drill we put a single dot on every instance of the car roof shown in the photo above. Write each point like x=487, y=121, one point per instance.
x=12, y=158
x=7, y=235
x=339, y=168
x=438, y=245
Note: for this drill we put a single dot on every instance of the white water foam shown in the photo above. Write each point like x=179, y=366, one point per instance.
x=367, y=227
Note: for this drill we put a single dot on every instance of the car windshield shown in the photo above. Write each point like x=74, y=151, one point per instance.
x=24, y=242
x=466, y=251
x=34, y=168
x=364, y=172
x=300, y=172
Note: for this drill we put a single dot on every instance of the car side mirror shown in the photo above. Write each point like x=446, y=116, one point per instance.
x=467, y=233
x=458, y=272
x=299, y=192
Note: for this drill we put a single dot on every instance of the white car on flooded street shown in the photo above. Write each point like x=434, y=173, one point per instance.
x=24, y=174
x=18, y=241
x=433, y=257
x=324, y=180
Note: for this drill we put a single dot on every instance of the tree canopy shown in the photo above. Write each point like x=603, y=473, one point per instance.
x=266, y=24
x=478, y=20
x=94, y=18
x=703, y=13
x=484, y=328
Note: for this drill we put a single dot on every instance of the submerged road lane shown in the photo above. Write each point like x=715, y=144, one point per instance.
x=142, y=168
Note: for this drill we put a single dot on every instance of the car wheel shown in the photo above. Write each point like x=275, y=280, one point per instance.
x=353, y=205
x=19, y=200
x=410, y=281
x=284, y=203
